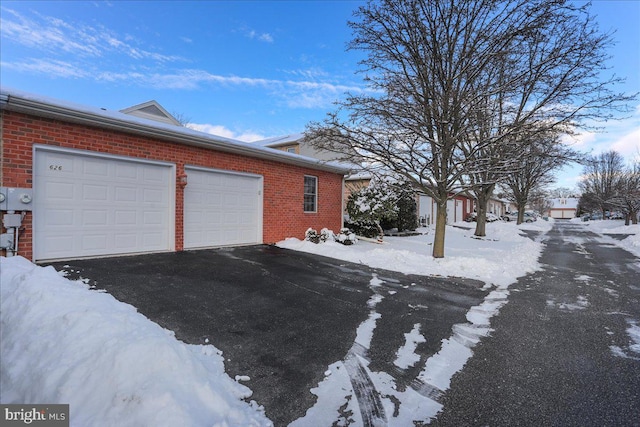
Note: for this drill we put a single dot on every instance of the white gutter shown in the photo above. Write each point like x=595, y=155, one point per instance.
x=42, y=107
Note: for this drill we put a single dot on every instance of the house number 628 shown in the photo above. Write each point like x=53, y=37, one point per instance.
x=55, y=167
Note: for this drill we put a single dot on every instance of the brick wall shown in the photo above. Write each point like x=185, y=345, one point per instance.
x=283, y=184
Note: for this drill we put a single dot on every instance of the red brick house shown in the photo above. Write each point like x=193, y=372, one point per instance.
x=85, y=182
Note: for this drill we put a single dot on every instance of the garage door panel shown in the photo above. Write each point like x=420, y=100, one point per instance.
x=126, y=194
x=94, y=168
x=94, y=242
x=59, y=217
x=151, y=195
x=126, y=172
x=97, y=205
x=95, y=217
x=55, y=165
x=125, y=218
x=124, y=241
x=62, y=191
x=212, y=217
x=95, y=192
x=222, y=208
x=153, y=218
x=58, y=244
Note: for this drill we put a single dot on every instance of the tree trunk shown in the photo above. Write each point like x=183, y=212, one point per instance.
x=521, y=208
x=482, y=198
x=441, y=225
x=481, y=219
x=380, y=231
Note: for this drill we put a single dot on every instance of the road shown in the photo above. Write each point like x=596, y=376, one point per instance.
x=562, y=351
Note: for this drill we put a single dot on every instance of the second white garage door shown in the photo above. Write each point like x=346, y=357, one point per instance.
x=221, y=208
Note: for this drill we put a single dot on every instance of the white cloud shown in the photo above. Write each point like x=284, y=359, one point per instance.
x=293, y=93
x=254, y=35
x=220, y=130
x=55, y=36
x=266, y=37
x=628, y=145
x=580, y=140
x=51, y=67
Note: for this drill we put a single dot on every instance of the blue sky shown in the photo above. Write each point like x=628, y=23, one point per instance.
x=241, y=69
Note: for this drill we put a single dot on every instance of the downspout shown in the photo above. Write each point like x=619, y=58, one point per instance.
x=4, y=100
x=342, y=206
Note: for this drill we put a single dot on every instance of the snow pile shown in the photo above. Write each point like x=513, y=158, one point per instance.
x=63, y=343
x=500, y=258
x=630, y=243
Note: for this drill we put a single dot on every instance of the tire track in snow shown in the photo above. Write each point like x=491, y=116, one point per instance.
x=369, y=402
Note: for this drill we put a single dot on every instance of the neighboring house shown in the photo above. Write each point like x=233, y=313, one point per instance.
x=497, y=206
x=295, y=143
x=86, y=182
x=457, y=208
x=563, y=208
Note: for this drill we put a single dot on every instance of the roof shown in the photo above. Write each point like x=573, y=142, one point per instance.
x=280, y=140
x=153, y=111
x=39, y=106
x=565, y=203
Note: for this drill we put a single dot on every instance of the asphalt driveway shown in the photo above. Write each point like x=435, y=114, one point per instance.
x=281, y=317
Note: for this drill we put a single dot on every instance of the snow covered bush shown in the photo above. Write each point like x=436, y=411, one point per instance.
x=373, y=204
x=362, y=228
x=407, y=208
x=346, y=237
x=326, y=235
x=312, y=236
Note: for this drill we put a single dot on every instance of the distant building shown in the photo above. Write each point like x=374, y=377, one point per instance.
x=563, y=208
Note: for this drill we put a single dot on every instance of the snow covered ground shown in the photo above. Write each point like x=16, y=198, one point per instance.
x=497, y=259
x=62, y=342
x=631, y=243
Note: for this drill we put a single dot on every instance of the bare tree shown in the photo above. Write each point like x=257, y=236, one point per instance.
x=433, y=65
x=601, y=179
x=627, y=197
x=562, y=193
x=539, y=201
x=182, y=118
x=538, y=163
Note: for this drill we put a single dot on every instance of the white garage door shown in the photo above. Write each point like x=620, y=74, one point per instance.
x=221, y=208
x=93, y=205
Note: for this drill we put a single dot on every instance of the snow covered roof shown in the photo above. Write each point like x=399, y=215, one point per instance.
x=565, y=203
x=280, y=140
x=359, y=175
x=40, y=106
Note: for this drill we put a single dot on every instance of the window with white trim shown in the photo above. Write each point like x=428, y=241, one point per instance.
x=310, y=193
